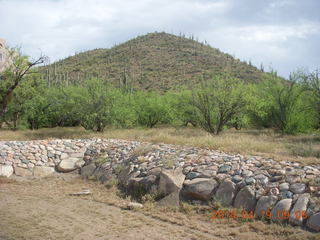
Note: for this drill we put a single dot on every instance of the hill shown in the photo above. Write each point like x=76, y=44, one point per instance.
x=156, y=61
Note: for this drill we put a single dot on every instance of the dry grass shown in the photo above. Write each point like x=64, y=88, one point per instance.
x=301, y=148
x=52, y=212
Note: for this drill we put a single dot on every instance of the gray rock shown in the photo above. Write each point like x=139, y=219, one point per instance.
x=124, y=174
x=199, y=189
x=88, y=170
x=225, y=193
x=297, y=188
x=70, y=164
x=148, y=182
x=172, y=200
x=286, y=194
x=314, y=222
x=236, y=178
x=224, y=169
x=246, y=199
x=262, y=179
x=250, y=181
x=155, y=171
x=6, y=170
x=42, y=171
x=192, y=175
x=171, y=181
x=284, y=186
x=300, y=207
x=265, y=203
x=281, y=206
x=207, y=173
x=246, y=173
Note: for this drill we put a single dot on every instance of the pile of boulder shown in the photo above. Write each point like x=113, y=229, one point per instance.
x=179, y=173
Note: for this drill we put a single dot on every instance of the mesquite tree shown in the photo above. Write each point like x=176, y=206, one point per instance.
x=217, y=102
x=18, y=67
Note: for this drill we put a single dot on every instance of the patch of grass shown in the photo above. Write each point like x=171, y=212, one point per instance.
x=100, y=161
x=169, y=161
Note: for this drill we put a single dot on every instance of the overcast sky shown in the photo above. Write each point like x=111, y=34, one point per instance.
x=282, y=34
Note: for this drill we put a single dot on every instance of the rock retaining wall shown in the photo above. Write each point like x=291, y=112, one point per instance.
x=179, y=173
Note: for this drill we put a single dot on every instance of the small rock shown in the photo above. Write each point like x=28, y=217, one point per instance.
x=284, y=187
x=286, y=194
x=84, y=192
x=247, y=173
x=192, y=175
x=134, y=205
x=224, y=169
x=250, y=181
x=274, y=191
x=297, y=188
x=236, y=178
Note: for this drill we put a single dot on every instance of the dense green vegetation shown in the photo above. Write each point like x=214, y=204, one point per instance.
x=153, y=62
x=222, y=99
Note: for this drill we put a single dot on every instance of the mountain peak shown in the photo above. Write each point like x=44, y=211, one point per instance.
x=155, y=61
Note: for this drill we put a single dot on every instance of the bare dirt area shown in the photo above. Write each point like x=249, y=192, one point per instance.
x=44, y=209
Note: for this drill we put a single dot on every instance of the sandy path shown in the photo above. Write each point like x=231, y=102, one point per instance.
x=43, y=209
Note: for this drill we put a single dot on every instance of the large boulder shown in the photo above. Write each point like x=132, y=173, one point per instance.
x=300, y=208
x=199, y=189
x=225, y=193
x=265, y=204
x=22, y=172
x=171, y=181
x=281, y=209
x=6, y=170
x=124, y=175
x=70, y=164
x=172, y=200
x=88, y=170
x=42, y=171
x=148, y=182
x=246, y=199
x=314, y=222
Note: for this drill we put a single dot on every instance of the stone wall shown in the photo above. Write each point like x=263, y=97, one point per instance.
x=179, y=173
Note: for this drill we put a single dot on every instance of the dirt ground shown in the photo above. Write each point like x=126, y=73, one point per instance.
x=44, y=209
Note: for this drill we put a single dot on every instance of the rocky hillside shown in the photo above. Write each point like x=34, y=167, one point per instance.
x=156, y=61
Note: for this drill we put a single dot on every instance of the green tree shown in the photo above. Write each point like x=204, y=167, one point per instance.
x=312, y=83
x=18, y=67
x=30, y=88
x=151, y=109
x=98, y=104
x=218, y=101
x=281, y=104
